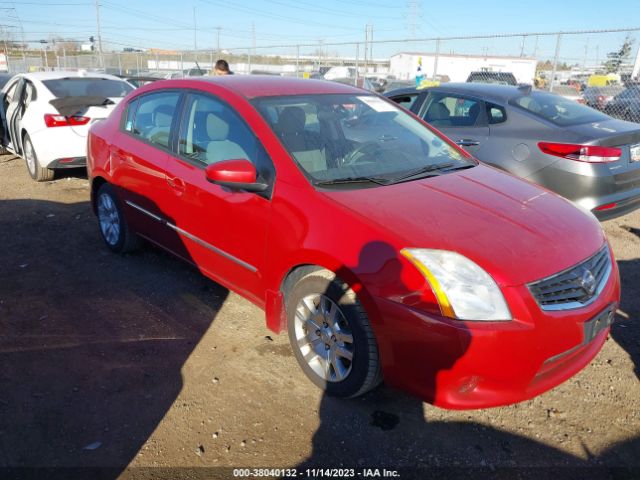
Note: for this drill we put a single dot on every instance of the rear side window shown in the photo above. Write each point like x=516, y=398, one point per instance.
x=151, y=118
x=93, y=87
x=558, y=110
x=495, y=114
x=451, y=111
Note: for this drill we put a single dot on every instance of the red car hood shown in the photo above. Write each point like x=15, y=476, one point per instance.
x=515, y=230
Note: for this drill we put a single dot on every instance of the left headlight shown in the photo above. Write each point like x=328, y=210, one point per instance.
x=463, y=289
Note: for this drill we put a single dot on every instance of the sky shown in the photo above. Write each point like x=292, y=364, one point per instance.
x=248, y=23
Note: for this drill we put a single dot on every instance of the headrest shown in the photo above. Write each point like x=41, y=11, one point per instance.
x=217, y=128
x=291, y=120
x=163, y=115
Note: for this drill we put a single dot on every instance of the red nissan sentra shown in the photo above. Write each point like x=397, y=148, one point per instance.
x=381, y=247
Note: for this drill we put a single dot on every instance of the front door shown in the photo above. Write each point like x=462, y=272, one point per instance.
x=224, y=230
x=11, y=106
x=462, y=119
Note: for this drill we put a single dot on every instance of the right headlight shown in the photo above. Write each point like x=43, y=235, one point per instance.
x=463, y=289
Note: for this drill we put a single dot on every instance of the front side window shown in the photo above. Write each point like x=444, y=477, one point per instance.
x=357, y=138
x=153, y=117
x=212, y=132
x=558, y=110
x=86, y=86
x=443, y=110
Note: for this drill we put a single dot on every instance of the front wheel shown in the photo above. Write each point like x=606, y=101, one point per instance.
x=38, y=173
x=113, y=226
x=331, y=337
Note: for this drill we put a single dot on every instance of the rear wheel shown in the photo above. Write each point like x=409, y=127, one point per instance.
x=38, y=173
x=113, y=226
x=331, y=337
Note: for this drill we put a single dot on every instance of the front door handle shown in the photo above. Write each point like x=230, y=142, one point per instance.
x=468, y=142
x=177, y=185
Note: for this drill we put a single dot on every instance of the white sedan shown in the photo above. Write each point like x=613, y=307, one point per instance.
x=46, y=116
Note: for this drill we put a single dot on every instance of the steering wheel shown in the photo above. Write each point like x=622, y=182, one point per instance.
x=366, y=148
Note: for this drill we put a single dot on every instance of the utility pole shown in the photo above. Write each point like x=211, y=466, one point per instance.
x=584, y=61
x=413, y=16
x=253, y=37
x=218, y=39
x=99, y=34
x=195, y=31
x=371, y=46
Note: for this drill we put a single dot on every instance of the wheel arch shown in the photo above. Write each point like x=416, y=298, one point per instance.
x=96, y=183
x=276, y=299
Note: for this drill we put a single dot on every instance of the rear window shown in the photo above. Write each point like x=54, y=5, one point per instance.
x=558, y=110
x=94, y=87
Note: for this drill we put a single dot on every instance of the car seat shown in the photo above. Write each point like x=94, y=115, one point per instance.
x=303, y=145
x=161, y=117
x=437, y=114
x=220, y=147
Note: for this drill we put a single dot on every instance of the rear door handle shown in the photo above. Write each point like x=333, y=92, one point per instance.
x=467, y=142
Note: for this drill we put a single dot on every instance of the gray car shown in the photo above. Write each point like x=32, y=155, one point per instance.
x=576, y=151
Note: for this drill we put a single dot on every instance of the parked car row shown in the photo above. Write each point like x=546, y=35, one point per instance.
x=382, y=247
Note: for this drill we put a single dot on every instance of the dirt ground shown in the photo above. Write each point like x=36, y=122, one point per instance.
x=128, y=362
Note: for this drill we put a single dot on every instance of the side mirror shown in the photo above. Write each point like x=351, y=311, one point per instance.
x=239, y=174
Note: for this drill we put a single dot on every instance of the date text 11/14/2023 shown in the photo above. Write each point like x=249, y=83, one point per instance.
x=315, y=473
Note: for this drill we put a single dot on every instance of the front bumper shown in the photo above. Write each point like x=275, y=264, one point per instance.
x=466, y=365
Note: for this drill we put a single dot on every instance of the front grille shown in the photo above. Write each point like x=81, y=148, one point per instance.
x=575, y=287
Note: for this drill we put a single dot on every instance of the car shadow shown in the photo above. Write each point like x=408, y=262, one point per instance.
x=92, y=343
x=389, y=429
x=626, y=329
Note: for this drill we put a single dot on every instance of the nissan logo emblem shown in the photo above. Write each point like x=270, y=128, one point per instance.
x=588, y=282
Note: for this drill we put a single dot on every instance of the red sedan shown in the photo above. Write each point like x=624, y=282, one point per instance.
x=384, y=249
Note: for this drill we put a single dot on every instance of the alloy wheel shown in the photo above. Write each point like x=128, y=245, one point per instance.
x=324, y=337
x=109, y=219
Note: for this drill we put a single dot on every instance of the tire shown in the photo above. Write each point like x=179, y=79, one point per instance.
x=325, y=315
x=114, y=229
x=38, y=173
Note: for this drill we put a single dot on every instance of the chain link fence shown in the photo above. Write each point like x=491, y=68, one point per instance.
x=599, y=68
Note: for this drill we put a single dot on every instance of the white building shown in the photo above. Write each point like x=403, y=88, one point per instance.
x=458, y=67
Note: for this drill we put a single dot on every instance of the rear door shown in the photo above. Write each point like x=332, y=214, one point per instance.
x=138, y=158
x=459, y=117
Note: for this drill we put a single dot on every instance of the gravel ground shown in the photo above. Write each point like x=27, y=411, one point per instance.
x=135, y=361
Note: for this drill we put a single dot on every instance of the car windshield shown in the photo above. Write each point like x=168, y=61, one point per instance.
x=350, y=138
x=94, y=87
x=558, y=110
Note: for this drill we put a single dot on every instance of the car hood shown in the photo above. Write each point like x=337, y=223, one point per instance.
x=515, y=230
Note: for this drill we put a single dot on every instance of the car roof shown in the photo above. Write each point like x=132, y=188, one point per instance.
x=41, y=76
x=252, y=86
x=487, y=91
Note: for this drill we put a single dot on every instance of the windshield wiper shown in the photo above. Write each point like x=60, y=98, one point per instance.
x=428, y=170
x=339, y=181
x=459, y=167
